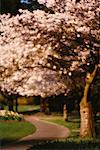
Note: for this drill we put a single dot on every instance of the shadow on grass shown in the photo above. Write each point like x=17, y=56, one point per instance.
x=73, y=121
x=57, y=145
x=67, y=145
x=5, y=142
x=29, y=112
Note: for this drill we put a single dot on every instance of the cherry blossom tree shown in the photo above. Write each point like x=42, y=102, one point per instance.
x=40, y=53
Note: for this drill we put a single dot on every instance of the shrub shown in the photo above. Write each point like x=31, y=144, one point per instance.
x=10, y=115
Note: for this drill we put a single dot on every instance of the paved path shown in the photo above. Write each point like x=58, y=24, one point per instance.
x=45, y=131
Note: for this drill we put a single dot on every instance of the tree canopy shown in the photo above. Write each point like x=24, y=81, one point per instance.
x=40, y=52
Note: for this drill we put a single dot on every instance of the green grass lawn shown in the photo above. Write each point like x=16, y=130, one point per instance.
x=11, y=131
x=25, y=108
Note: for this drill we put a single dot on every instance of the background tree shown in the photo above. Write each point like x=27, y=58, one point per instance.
x=41, y=53
x=9, y=6
x=12, y=6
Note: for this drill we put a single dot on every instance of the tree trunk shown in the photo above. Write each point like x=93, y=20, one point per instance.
x=16, y=105
x=87, y=128
x=65, y=112
x=10, y=105
x=42, y=106
x=45, y=106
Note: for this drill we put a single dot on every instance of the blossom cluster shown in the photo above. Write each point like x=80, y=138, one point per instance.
x=10, y=115
x=39, y=50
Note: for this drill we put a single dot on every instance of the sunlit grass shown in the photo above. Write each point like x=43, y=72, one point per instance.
x=24, y=108
x=13, y=130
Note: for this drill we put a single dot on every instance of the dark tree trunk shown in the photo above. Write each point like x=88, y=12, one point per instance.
x=10, y=105
x=16, y=105
x=87, y=128
x=44, y=106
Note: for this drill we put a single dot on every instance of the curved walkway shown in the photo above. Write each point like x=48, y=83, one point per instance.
x=45, y=131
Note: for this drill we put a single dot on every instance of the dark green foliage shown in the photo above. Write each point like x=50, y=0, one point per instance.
x=12, y=6
x=9, y=6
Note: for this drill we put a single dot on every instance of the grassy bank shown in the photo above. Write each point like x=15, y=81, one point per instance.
x=11, y=131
